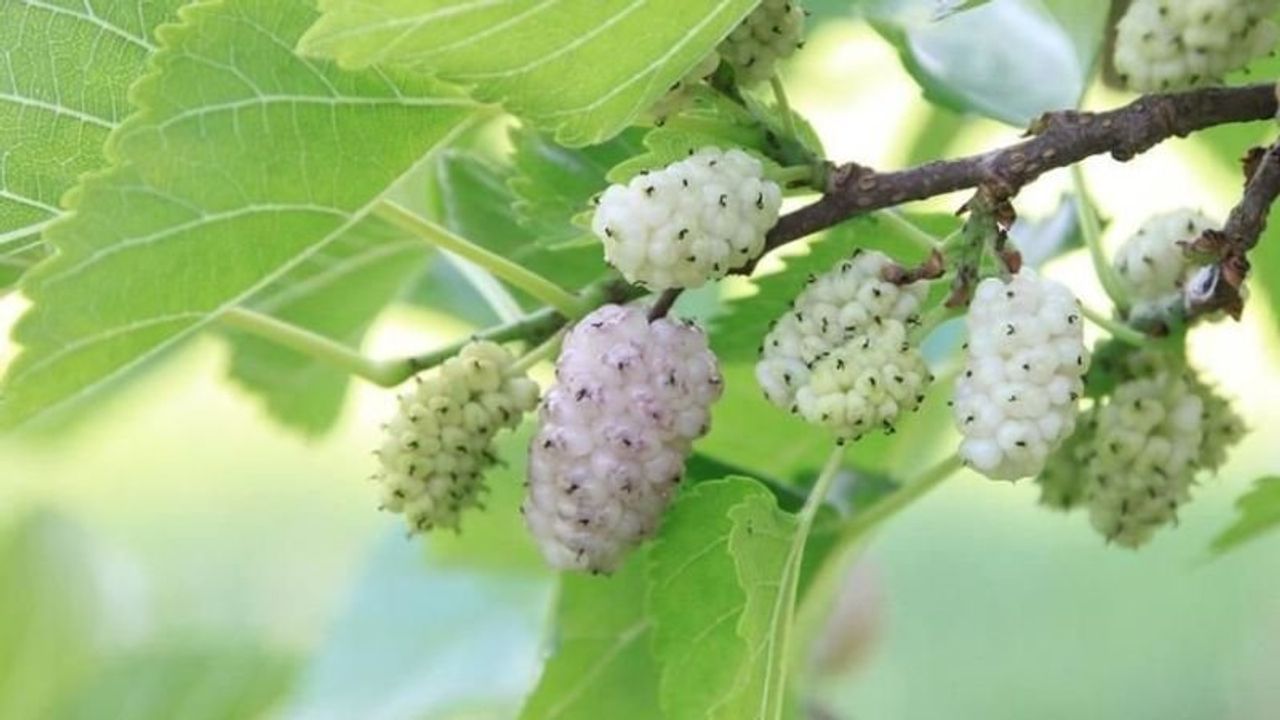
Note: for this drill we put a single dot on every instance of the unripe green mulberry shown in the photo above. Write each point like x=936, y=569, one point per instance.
x=1223, y=427
x=1144, y=457
x=1064, y=482
x=440, y=444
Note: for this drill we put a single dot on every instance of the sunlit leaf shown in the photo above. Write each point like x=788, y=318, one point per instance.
x=582, y=68
x=65, y=68
x=337, y=292
x=244, y=162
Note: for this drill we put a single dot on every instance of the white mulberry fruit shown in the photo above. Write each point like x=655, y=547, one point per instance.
x=1152, y=264
x=1015, y=402
x=772, y=32
x=630, y=398
x=1175, y=44
x=841, y=357
x=440, y=443
x=693, y=221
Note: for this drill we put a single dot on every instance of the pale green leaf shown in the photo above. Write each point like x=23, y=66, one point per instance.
x=65, y=67
x=1043, y=61
x=186, y=682
x=695, y=601
x=337, y=292
x=418, y=640
x=769, y=558
x=601, y=665
x=583, y=68
x=49, y=613
x=1259, y=514
x=244, y=162
x=722, y=578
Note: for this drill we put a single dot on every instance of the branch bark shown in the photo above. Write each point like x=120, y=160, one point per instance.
x=1057, y=139
x=1218, y=286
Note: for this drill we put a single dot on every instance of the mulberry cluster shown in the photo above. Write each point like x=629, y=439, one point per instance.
x=1135, y=455
x=1223, y=426
x=1144, y=457
x=1152, y=263
x=439, y=444
x=1174, y=44
x=693, y=221
x=1064, y=485
x=1015, y=402
x=840, y=357
x=630, y=398
x=772, y=32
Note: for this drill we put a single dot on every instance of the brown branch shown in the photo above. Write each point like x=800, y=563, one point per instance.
x=1217, y=286
x=1248, y=220
x=1058, y=139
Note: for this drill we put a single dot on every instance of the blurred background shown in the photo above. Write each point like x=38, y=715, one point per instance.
x=177, y=554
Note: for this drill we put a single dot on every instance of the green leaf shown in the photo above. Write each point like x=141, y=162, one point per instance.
x=65, y=68
x=1259, y=514
x=191, y=682
x=418, y=640
x=337, y=292
x=49, y=614
x=695, y=601
x=244, y=162
x=712, y=120
x=475, y=200
x=958, y=65
x=553, y=183
x=790, y=448
x=602, y=666
x=583, y=68
x=722, y=578
x=769, y=560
